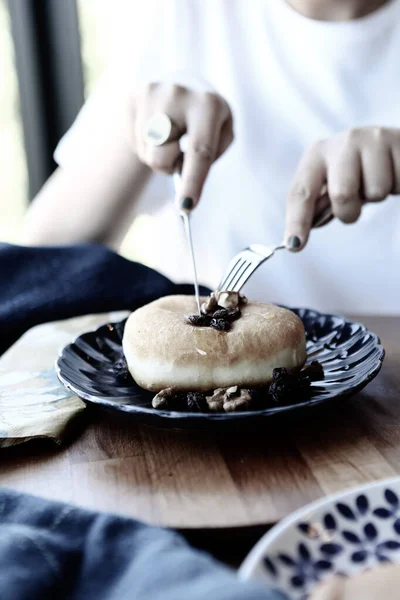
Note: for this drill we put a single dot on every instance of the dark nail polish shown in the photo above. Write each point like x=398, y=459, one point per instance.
x=186, y=204
x=294, y=242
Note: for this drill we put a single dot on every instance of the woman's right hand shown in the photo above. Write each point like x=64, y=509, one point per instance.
x=206, y=119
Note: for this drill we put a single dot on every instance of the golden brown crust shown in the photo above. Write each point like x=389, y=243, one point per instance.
x=159, y=333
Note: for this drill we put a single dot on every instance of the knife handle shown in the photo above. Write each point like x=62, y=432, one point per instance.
x=324, y=215
x=322, y=218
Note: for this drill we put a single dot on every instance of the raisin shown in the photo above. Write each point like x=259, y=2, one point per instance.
x=121, y=368
x=233, y=314
x=179, y=402
x=173, y=401
x=286, y=388
x=313, y=372
x=279, y=374
x=196, y=402
x=228, y=314
x=220, y=324
x=259, y=398
x=221, y=313
x=200, y=320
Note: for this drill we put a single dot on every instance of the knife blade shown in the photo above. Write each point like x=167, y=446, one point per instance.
x=186, y=216
x=188, y=229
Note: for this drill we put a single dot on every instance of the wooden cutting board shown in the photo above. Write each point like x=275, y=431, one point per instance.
x=198, y=480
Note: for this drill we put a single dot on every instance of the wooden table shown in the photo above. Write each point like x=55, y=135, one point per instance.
x=222, y=485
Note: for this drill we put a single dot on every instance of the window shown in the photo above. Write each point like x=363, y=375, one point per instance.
x=97, y=22
x=95, y=18
x=52, y=95
x=13, y=171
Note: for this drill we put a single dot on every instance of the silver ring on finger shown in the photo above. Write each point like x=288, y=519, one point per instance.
x=158, y=129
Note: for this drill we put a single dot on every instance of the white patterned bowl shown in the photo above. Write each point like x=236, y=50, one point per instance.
x=346, y=533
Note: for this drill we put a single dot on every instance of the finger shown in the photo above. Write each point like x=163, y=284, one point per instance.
x=148, y=153
x=204, y=134
x=344, y=182
x=227, y=137
x=162, y=159
x=304, y=193
x=395, y=157
x=377, y=171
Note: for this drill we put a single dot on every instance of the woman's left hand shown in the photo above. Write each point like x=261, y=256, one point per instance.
x=353, y=167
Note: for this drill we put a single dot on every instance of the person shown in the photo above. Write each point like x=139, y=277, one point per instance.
x=296, y=103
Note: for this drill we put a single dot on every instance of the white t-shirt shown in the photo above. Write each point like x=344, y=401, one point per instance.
x=289, y=81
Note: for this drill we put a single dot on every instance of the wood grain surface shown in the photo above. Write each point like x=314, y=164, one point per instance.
x=195, y=480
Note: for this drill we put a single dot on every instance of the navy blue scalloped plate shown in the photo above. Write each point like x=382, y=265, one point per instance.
x=350, y=355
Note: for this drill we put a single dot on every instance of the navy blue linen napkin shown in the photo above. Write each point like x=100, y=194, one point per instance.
x=53, y=551
x=39, y=285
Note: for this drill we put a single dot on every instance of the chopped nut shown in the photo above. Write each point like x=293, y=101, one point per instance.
x=161, y=399
x=232, y=391
x=241, y=402
x=210, y=304
x=216, y=401
x=228, y=299
x=229, y=400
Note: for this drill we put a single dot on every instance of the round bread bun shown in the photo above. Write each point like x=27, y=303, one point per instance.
x=163, y=350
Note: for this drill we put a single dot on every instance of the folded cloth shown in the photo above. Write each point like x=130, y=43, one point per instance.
x=50, y=550
x=41, y=285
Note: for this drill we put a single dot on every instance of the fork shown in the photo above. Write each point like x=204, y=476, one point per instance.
x=243, y=265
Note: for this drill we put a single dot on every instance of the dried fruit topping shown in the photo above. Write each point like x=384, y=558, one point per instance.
x=229, y=399
x=221, y=313
x=169, y=399
x=220, y=324
x=228, y=299
x=240, y=400
x=286, y=388
x=233, y=391
x=233, y=314
x=278, y=374
x=216, y=401
x=314, y=371
x=196, y=401
x=163, y=399
x=199, y=320
x=222, y=308
x=230, y=314
x=121, y=368
x=210, y=305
